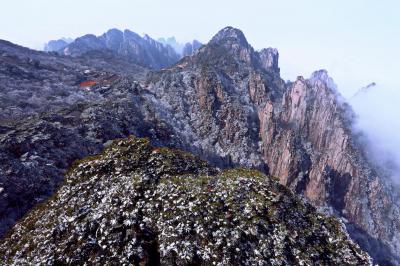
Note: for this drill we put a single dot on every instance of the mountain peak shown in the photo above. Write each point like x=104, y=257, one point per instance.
x=323, y=76
x=128, y=34
x=114, y=31
x=232, y=35
x=269, y=58
x=229, y=49
x=113, y=38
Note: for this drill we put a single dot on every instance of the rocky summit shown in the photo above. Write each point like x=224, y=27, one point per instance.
x=139, y=205
x=225, y=103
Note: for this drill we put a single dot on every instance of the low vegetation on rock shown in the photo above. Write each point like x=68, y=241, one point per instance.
x=139, y=205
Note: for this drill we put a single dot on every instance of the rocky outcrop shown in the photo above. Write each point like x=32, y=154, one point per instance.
x=327, y=163
x=300, y=132
x=228, y=105
x=141, y=50
x=269, y=59
x=135, y=204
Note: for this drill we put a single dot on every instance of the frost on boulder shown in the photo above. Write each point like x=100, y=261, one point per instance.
x=138, y=205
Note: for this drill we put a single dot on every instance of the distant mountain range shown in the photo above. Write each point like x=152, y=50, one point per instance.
x=144, y=50
x=171, y=41
x=183, y=49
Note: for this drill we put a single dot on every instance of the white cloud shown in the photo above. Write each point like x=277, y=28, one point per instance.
x=378, y=110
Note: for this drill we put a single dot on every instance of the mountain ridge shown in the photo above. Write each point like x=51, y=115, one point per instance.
x=144, y=50
x=227, y=104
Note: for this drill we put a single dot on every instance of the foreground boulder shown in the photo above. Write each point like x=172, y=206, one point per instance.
x=139, y=205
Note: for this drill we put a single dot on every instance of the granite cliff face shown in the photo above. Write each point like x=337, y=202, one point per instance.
x=239, y=109
x=226, y=104
x=139, y=205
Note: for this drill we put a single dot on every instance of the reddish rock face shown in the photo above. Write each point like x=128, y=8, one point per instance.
x=237, y=108
x=316, y=154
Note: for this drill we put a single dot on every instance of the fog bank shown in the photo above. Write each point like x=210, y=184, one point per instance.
x=378, y=116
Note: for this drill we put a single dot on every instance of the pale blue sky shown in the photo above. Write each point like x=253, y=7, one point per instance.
x=357, y=41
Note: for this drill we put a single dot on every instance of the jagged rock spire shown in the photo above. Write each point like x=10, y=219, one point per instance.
x=269, y=59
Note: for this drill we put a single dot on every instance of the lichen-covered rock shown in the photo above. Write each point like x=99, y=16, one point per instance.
x=138, y=205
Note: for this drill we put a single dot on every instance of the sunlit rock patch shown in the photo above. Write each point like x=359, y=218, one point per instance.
x=138, y=205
